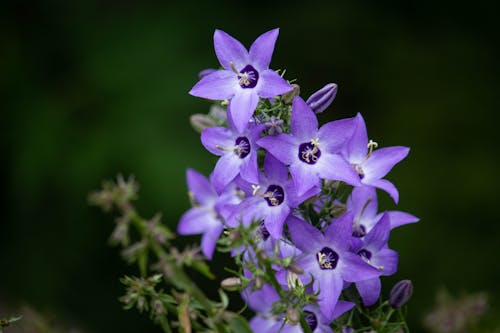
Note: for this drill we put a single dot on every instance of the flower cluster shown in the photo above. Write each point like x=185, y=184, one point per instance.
x=305, y=193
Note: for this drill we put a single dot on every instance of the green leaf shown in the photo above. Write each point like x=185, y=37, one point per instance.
x=239, y=324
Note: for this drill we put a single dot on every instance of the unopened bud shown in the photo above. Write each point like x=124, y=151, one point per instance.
x=288, y=97
x=347, y=329
x=295, y=268
x=259, y=283
x=201, y=121
x=293, y=281
x=292, y=316
x=400, y=293
x=231, y=284
x=322, y=98
x=206, y=72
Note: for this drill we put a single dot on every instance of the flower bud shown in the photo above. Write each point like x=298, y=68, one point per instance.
x=295, y=268
x=231, y=284
x=206, y=72
x=322, y=98
x=201, y=121
x=400, y=293
x=292, y=316
x=347, y=329
x=288, y=97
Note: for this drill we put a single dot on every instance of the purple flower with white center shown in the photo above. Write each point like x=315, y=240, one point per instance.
x=322, y=98
x=203, y=218
x=363, y=204
x=271, y=199
x=372, y=165
x=246, y=75
x=311, y=153
x=374, y=251
x=237, y=151
x=328, y=259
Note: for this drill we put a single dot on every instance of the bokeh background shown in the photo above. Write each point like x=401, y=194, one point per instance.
x=95, y=88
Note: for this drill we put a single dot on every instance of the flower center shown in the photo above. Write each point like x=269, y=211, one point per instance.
x=311, y=320
x=327, y=258
x=242, y=147
x=365, y=255
x=309, y=152
x=247, y=77
x=358, y=230
x=359, y=170
x=275, y=195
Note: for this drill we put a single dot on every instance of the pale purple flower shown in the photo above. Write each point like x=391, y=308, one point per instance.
x=271, y=199
x=322, y=98
x=237, y=151
x=312, y=154
x=364, y=205
x=203, y=218
x=273, y=126
x=327, y=258
x=372, y=165
x=245, y=75
x=373, y=250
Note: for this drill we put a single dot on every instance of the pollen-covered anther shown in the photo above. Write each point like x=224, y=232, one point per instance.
x=309, y=152
x=371, y=145
x=327, y=258
x=247, y=77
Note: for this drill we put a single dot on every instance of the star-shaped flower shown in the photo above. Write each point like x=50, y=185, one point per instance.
x=204, y=218
x=372, y=165
x=327, y=258
x=312, y=154
x=245, y=75
x=237, y=151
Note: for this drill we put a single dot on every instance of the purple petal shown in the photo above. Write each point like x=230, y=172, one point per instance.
x=387, y=186
x=304, y=177
x=242, y=108
x=294, y=199
x=264, y=325
x=398, y=218
x=363, y=199
x=249, y=169
x=283, y=147
x=388, y=259
x=275, y=170
x=379, y=235
x=229, y=50
x=341, y=308
x=200, y=187
x=209, y=240
x=275, y=219
x=357, y=145
x=304, y=235
x=339, y=232
x=354, y=269
x=196, y=221
x=333, y=135
x=382, y=160
x=304, y=124
x=262, y=49
x=330, y=286
x=335, y=167
x=226, y=169
x=217, y=85
x=272, y=84
x=217, y=136
x=369, y=290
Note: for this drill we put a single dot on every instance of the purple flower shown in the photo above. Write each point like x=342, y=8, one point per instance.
x=372, y=165
x=363, y=205
x=322, y=98
x=237, y=151
x=246, y=75
x=311, y=153
x=374, y=251
x=203, y=218
x=271, y=199
x=327, y=258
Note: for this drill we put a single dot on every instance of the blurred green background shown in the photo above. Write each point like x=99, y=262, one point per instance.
x=95, y=88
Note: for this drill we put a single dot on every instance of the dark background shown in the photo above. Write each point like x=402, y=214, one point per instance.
x=94, y=88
